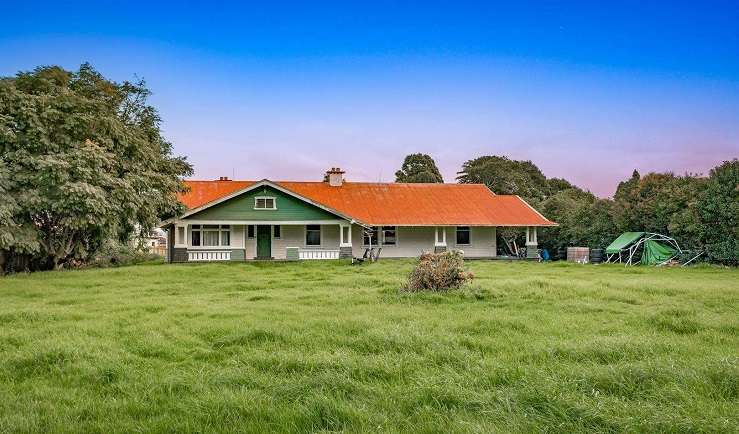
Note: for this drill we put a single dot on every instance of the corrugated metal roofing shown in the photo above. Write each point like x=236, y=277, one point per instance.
x=395, y=204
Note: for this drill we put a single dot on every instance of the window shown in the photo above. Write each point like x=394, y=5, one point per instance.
x=181, y=235
x=388, y=235
x=313, y=235
x=195, y=234
x=250, y=231
x=276, y=231
x=210, y=235
x=463, y=235
x=262, y=202
x=225, y=235
x=370, y=235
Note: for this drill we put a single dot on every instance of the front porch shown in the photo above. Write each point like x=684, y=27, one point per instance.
x=205, y=241
x=264, y=240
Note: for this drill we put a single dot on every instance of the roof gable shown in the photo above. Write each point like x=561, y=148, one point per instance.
x=238, y=204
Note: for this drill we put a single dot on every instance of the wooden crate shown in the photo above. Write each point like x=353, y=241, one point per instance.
x=580, y=255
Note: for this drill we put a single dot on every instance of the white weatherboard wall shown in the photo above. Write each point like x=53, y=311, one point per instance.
x=482, y=242
x=412, y=241
x=237, y=236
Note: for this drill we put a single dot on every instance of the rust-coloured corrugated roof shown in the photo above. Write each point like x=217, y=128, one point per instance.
x=395, y=204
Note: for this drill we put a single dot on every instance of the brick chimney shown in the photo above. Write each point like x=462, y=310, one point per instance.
x=335, y=177
x=223, y=178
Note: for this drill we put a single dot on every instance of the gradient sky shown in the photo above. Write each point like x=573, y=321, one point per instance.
x=285, y=90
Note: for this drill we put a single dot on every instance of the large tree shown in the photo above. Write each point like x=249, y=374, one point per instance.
x=584, y=220
x=660, y=202
x=505, y=176
x=718, y=209
x=82, y=160
x=419, y=168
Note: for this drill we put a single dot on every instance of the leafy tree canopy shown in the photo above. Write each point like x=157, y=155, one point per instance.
x=419, y=168
x=82, y=160
x=659, y=202
x=718, y=211
x=505, y=176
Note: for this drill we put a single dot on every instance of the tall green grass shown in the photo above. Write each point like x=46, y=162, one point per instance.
x=325, y=347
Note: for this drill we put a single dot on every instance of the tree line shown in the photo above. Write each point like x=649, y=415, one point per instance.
x=83, y=165
x=701, y=212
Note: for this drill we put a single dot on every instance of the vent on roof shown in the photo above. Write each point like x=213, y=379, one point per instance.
x=335, y=177
x=223, y=178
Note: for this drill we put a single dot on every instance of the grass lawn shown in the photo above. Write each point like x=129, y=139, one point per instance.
x=322, y=346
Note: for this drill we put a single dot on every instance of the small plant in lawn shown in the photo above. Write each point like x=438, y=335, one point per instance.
x=438, y=272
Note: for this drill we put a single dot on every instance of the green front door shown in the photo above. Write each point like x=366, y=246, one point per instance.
x=264, y=242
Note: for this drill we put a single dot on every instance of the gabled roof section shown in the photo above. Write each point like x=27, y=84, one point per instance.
x=391, y=204
x=203, y=191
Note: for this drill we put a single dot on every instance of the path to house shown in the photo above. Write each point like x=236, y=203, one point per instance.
x=313, y=346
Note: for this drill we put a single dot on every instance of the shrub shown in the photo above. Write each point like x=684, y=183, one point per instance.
x=438, y=272
x=114, y=254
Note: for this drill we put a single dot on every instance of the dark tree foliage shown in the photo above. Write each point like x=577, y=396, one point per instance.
x=584, y=220
x=662, y=203
x=418, y=168
x=718, y=211
x=701, y=213
x=505, y=176
x=82, y=161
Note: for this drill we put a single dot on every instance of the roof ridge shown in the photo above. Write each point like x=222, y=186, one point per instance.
x=414, y=184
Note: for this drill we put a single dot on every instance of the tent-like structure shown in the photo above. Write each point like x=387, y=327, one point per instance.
x=655, y=249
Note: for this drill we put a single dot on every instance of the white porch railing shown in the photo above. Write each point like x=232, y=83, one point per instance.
x=318, y=254
x=207, y=255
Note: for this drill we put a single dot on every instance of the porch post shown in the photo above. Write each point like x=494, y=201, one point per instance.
x=179, y=250
x=531, y=242
x=439, y=239
x=345, y=241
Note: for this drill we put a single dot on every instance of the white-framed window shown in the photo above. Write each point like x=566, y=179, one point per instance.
x=389, y=235
x=277, y=232
x=250, y=231
x=463, y=235
x=265, y=202
x=312, y=235
x=370, y=234
x=181, y=239
x=210, y=235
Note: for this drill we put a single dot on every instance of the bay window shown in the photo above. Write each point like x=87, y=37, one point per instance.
x=210, y=235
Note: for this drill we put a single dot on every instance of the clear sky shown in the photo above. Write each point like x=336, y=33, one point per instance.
x=281, y=90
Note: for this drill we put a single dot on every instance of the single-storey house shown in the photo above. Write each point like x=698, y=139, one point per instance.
x=229, y=220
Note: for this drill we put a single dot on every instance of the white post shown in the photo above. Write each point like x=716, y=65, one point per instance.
x=439, y=239
x=180, y=235
x=345, y=239
x=531, y=242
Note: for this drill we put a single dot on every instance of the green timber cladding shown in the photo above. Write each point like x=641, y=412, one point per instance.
x=241, y=207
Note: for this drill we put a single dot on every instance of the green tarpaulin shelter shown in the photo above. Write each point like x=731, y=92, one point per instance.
x=623, y=241
x=656, y=253
x=655, y=249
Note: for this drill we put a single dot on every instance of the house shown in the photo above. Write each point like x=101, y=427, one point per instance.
x=229, y=220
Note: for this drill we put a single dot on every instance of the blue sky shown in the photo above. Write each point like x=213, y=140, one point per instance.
x=285, y=90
